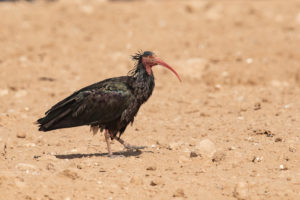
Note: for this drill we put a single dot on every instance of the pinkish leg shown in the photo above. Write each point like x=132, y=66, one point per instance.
x=128, y=146
x=107, y=139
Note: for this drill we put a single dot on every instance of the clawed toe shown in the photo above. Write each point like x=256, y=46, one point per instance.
x=132, y=147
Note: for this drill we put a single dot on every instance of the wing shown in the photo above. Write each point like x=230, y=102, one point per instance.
x=99, y=103
x=103, y=105
x=95, y=86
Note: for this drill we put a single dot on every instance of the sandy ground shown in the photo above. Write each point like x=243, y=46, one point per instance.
x=230, y=130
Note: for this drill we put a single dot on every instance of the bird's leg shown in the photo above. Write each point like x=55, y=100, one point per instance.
x=107, y=139
x=128, y=146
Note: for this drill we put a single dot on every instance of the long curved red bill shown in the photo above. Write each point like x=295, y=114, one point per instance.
x=162, y=63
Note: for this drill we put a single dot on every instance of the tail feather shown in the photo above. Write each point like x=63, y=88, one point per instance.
x=50, y=122
x=58, y=117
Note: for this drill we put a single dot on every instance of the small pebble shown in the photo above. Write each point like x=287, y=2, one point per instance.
x=153, y=183
x=3, y=92
x=257, y=159
x=178, y=193
x=218, y=157
x=292, y=149
x=282, y=167
x=193, y=154
x=232, y=148
x=249, y=60
x=136, y=180
x=70, y=174
x=151, y=168
x=241, y=191
x=183, y=159
x=21, y=135
x=205, y=148
x=174, y=145
x=50, y=167
x=257, y=106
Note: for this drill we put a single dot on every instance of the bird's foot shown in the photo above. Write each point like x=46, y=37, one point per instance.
x=128, y=146
x=133, y=147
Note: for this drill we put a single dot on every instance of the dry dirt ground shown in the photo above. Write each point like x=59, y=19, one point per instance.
x=230, y=130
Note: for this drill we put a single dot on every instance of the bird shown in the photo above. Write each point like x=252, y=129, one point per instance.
x=109, y=105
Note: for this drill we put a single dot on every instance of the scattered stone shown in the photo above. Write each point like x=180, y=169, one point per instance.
x=204, y=115
x=205, y=148
x=21, y=135
x=136, y=180
x=3, y=92
x=263, y=132
x=240, y=118
x=232, y=148
x=174, y=145
x=282, y=167
x=249, y=60
x=241, y=191
x=183, y=159
x=257, y=106
x=151, y=168
x=257, y=159
x=70, y=174
x=30, y=145
x=278, y=139
x=218, y=86
x=292, y=149
x=23, y=58
x=218, y=157
x=178, y=193
x=156, y=182
x=50, y=167
x=193, y=154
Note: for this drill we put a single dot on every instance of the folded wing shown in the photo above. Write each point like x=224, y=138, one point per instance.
x=97, y=104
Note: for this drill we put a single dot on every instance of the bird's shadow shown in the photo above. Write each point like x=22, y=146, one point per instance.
x=115, y=154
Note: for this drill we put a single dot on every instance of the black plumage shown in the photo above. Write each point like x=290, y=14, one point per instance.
x=110, y=104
